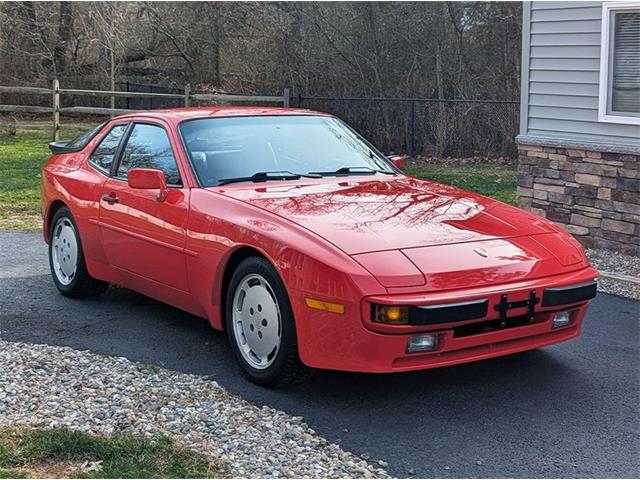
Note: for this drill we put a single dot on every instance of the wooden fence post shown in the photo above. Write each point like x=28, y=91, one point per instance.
x=287, y=98
x=56, y=109
x=187, y=95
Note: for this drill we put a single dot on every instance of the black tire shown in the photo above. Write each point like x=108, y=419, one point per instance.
x=286, y=369
x=82, y=285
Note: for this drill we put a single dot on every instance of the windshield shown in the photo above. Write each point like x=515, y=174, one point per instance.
x=238, y=148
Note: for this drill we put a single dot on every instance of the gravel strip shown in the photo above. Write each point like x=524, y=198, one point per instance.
x=45, y=386
x=616, y=263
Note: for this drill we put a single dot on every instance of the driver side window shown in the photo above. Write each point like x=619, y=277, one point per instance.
x=148, y=146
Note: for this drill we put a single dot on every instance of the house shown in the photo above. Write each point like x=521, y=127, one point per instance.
x=579, y=142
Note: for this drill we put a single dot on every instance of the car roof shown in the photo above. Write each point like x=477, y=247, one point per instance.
x=180, y=114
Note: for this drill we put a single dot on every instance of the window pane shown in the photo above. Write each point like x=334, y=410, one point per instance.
x=149, y=147
x=625, y=91
x=232, y=147
x=102, y=157
x=82, y=140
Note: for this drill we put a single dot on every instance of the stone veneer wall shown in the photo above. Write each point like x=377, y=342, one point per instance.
x=594, y=195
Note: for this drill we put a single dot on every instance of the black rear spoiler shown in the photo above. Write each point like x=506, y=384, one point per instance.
x=61, y=147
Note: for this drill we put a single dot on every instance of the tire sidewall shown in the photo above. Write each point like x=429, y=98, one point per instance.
x=288, y=339
x=64, y=212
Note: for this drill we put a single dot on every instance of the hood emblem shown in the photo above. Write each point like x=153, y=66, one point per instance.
x=482, y=252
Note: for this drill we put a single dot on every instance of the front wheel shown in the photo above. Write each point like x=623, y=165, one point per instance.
x=261, y=327
x=66, y=259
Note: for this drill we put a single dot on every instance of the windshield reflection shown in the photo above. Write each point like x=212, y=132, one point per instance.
x=237, y=147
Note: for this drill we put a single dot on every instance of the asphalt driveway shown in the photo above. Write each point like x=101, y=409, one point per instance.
x=572, y=410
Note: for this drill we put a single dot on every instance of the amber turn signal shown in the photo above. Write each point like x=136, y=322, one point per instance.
x=390, y=314
x=326, y=306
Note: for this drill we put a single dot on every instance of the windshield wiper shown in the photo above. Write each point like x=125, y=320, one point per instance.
x=266, y=176
x=353, y=171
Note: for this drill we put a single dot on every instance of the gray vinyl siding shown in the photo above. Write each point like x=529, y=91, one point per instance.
x=561, y=70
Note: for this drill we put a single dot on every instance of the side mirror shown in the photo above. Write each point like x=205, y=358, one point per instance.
x=148, y=179
x=397, y=160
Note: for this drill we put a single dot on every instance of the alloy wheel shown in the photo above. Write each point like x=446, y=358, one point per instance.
x=64, y=251
x=256, y=321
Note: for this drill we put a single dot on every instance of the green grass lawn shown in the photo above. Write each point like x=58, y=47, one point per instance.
x=21, y=159
x=64, y=453
x=496, y=181
x=22, y=156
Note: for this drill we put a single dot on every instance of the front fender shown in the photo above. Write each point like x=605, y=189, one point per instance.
x=305, y=262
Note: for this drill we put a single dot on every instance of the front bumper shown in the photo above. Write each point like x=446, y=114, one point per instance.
x=351, y=342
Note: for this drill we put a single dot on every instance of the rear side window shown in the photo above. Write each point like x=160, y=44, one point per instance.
x=148, y=146
x=83, y=140
x=102, y=157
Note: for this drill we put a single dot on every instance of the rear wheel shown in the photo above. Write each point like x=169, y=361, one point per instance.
x=261, y=327
x=66, y=259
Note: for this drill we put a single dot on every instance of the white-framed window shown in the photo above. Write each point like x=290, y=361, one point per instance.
x=619, y=100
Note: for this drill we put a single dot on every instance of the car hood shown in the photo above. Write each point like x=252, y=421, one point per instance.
x=369, y=214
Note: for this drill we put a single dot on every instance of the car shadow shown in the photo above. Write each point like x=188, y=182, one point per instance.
x=501, y=372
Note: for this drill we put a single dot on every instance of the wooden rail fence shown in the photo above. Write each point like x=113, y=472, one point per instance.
x=56, y=93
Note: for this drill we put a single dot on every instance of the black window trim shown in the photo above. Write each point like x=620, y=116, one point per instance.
x=125, y=139
x=107, y=173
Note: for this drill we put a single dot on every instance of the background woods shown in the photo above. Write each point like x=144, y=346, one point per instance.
x=452, y=50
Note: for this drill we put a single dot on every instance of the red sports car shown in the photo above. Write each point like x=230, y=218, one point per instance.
x=308, y=246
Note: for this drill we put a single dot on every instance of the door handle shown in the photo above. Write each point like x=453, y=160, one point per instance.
x=110, y=198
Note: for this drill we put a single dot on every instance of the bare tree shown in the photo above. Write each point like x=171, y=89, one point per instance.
x=444, y=50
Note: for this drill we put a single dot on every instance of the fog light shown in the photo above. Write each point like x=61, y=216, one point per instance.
x=561, y=319
x=422, y=343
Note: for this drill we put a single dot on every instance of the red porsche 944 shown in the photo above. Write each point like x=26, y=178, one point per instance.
x=311, y=249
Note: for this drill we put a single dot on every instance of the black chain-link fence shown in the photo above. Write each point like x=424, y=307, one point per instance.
x=421, y=126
